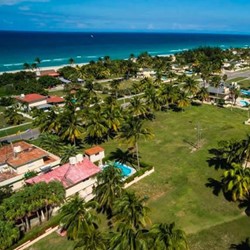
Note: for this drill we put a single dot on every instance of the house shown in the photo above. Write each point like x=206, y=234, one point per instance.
x=31, y=100
x=50, y=72
x=55, y=101
x=95, y=154
x=144, y=72
x=79, y=175
x=38, y=101
x=20, y=157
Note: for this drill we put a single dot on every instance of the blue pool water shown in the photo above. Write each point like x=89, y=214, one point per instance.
x=245, y=92
x=126, y=171
x=244, y=103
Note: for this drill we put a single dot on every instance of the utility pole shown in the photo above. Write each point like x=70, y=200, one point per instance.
x=198, y=135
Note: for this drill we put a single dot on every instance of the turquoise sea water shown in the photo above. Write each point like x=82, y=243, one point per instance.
x=55, y=49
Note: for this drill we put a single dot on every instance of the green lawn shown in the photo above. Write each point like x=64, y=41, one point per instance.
x=177, y=190
x=245, y=84
x=13, y=131
x=236, y=79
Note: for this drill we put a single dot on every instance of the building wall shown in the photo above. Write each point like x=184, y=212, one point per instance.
x=37, y=103
x=84, y=188
x=97, y=157
x=30, y=166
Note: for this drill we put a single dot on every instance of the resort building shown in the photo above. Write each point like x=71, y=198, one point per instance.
x=79, y=175
x=95, y=154
x=21, y=157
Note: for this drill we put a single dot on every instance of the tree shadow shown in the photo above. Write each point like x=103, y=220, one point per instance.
x=196, y=104
x=217, y=160
x=244, y=245
x=215, y=185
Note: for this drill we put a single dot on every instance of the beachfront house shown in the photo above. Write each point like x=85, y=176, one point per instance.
x=16, y=159
x=49, y=72
x=78, y=175
x=95, y=154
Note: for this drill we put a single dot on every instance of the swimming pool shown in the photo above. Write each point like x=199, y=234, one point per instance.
x=126, y=170
x=245, y=92
x=244, y=103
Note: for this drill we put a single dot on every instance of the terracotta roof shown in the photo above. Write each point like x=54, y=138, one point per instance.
x=49, y=73
x=30, y=98
x=68, y=175
x=55, y=99
x=94, y=150
x=28, y=154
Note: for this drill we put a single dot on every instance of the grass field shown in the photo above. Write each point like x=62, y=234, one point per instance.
x=236, y=79
x=245, y=84
x=177, y=190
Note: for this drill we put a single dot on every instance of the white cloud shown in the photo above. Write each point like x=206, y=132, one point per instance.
x=14, y=2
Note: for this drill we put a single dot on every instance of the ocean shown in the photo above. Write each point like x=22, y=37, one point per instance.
x=56, y=48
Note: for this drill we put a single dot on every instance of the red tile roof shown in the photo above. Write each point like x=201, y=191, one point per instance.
x=49, y=73
x=68, y=175
x=55, y=99
x=94, y=150
x=29, y=154
x=30, y=98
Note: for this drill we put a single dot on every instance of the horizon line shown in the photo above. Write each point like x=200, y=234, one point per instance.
x=133, y=31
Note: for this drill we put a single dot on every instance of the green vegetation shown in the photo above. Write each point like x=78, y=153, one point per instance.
x=181, y=189
x=17, y=130
x=236, y=79
x=245, y=84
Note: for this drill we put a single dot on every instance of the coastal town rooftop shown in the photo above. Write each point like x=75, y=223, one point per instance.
x=94, y=150
x=31, y=98
x=15, y=156
x=68, y=174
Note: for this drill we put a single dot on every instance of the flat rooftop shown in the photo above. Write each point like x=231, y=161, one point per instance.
x=28, y=153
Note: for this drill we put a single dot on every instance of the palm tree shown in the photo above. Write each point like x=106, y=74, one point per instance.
x=77, y=218
x=215, y=82
x=96, y=126
x=93, y=240
x=131, y=211
x=125, y=157
x=236, y=182
x=166, y=236
x=108, y=188
x=50, y=142
x=138, y=108
x=202, y=94
x=66, y=152
x=71, y=126
x=129, y=238
x=71, y=61
x=131, y=131
x=183, y=100
x=191, y=86
x=152, y=98
x=26, y=66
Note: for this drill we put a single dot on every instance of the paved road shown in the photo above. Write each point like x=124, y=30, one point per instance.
x=235, y=74
x=27, y=135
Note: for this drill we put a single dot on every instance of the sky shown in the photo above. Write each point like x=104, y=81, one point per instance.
x=202, y=16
